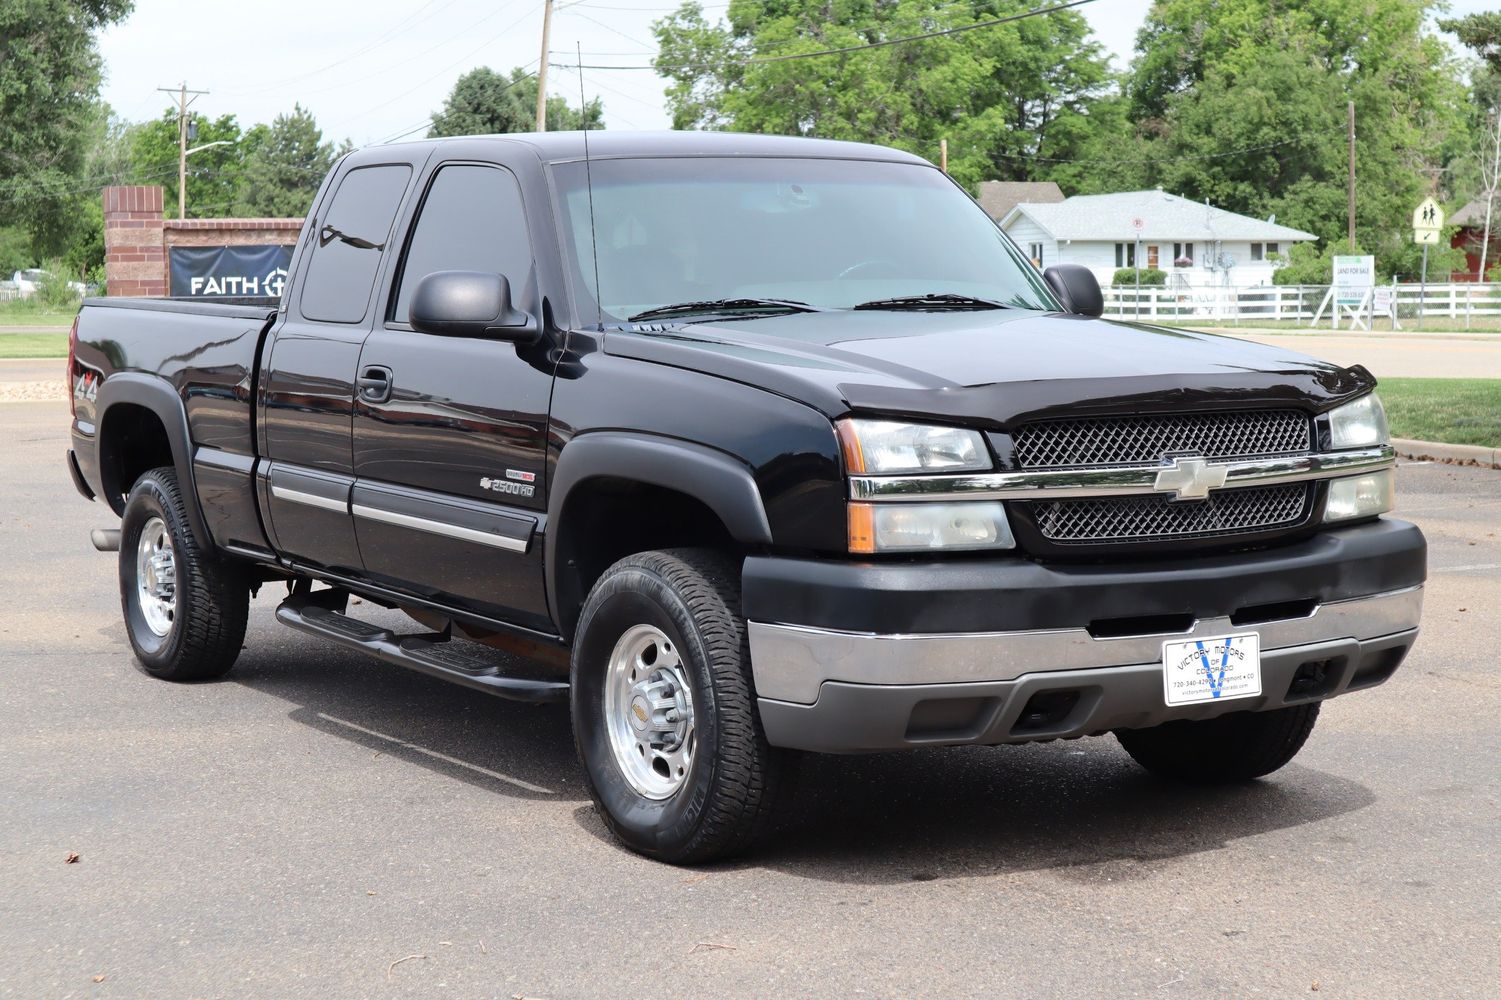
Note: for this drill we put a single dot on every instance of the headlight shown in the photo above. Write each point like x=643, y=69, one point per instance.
x=1359, y=496
x=924, y=527
x=888, y=447
x=1360, y=424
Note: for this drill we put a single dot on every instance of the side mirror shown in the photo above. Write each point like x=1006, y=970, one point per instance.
x=1077, y=288
x=469, y=304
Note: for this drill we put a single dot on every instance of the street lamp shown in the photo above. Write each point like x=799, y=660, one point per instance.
x=184, y=136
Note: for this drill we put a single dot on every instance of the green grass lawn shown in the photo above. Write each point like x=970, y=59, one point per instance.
x=21, y=312
x=1451, y=410
x=33, y=345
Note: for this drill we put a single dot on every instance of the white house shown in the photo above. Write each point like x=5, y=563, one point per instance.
x=1196, y=244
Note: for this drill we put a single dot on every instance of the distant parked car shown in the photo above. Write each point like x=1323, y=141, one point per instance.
x=30, y=280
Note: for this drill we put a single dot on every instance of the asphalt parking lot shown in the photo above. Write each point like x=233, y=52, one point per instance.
x=320, y=825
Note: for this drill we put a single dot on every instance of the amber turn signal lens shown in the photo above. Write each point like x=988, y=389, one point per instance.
x=849, y=443
x=862, y=528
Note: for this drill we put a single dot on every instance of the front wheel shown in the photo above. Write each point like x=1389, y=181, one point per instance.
x=1235, y=747
x=185, y=610
x=664, y=714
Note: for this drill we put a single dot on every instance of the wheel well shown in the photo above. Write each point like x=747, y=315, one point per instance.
x=606, y=519
x=132, y=440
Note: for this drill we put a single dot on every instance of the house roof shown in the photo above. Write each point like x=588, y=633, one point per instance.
x=1163, y=216
x=1473, y=214
x=1000, y=197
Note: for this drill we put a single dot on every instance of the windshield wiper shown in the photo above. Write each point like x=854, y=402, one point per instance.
x=934, y=301
x=724, y=306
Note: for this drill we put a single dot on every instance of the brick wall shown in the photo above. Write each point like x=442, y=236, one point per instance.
x=135, y=253
x=137, y=239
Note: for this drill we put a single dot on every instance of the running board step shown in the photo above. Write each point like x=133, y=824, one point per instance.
x=416, y=652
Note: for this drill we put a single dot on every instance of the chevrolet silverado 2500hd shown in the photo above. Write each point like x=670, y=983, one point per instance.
x=753, y=445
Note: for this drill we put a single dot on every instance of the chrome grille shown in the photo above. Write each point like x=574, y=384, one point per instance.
x=1139, y=518
x=1146, y=439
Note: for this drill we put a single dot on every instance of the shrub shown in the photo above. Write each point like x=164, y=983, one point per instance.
x=54, y=291
x=1149, y=276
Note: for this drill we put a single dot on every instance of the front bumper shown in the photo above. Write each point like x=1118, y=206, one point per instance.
x=1078, y=648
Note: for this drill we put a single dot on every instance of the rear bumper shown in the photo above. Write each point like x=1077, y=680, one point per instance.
x=1335, y=613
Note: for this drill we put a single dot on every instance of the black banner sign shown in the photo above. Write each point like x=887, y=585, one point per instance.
x=256, y=272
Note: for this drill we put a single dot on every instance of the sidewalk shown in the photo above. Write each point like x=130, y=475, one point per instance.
x=1393, y=355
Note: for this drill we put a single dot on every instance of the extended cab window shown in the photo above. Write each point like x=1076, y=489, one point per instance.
x=348, y=244
x=471, y=220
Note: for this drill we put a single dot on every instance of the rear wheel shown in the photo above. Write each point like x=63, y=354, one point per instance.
x=664, y=714
x=185, y=611
x=1235, y=747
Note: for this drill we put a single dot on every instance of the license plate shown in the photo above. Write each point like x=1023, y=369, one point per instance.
x=1215, y=668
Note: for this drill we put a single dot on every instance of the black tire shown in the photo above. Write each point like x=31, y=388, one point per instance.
x=1235, y=747
x=211, y=598
x=725, y=801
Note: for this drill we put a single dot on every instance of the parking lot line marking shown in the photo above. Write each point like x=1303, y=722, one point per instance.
x=438, y=756
x=1473, y=568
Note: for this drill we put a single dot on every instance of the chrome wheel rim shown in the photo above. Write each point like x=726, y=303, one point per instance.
x=156, y=577
x=649, y=713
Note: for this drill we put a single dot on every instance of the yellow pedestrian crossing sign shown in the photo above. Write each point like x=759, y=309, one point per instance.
x=1427, y=222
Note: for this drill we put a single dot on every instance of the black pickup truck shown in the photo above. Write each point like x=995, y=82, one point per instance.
x=749, y=446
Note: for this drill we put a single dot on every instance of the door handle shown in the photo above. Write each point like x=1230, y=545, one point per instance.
x=374, y=384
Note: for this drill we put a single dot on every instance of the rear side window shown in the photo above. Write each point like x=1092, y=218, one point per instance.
x=349, y=241
x=471, y=220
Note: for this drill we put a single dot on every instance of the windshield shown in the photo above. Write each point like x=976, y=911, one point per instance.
x=829, y=233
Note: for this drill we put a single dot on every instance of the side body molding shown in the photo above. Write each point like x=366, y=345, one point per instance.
x=156, y=394
x=721, y=483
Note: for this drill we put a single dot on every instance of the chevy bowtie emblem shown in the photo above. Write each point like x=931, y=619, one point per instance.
x=1189, y=478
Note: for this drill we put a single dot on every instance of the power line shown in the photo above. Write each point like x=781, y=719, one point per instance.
x=882, y=43
x=450, y=67
x=390, y=33
x=436, y=119
x=386, y=71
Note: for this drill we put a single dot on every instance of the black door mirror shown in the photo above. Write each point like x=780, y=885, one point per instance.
x=469, y=304
x=1077, y=288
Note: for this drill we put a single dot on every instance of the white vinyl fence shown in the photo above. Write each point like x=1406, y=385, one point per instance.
x=1292, y=303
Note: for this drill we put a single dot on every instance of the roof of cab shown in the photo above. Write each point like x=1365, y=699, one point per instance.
x=554, y=146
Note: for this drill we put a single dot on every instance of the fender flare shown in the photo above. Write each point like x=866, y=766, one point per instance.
x=722, y=483
x=156, y=394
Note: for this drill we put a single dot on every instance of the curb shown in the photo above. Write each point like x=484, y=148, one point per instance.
x=1449, y=454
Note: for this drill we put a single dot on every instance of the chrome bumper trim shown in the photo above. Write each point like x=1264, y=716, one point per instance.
x=791, y=662
x=1064, y=484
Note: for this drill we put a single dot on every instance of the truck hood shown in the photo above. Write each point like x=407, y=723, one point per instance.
x=993, y=367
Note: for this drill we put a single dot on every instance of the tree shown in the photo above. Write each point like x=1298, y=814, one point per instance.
x=484, y=102
x=287, y=163
x=213, y=174
x=1490, y=179
x=1481, y=32
x=49, y=87
x=1245, y=105
x=1011, y=99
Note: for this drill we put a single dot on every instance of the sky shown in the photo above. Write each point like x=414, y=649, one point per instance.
x=385, y=70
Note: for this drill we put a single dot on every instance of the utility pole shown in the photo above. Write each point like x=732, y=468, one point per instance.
x=184, y=97
x=1351, y=129
x=542, y=68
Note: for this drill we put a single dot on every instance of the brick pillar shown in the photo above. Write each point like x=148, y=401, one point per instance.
x=135, y=251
